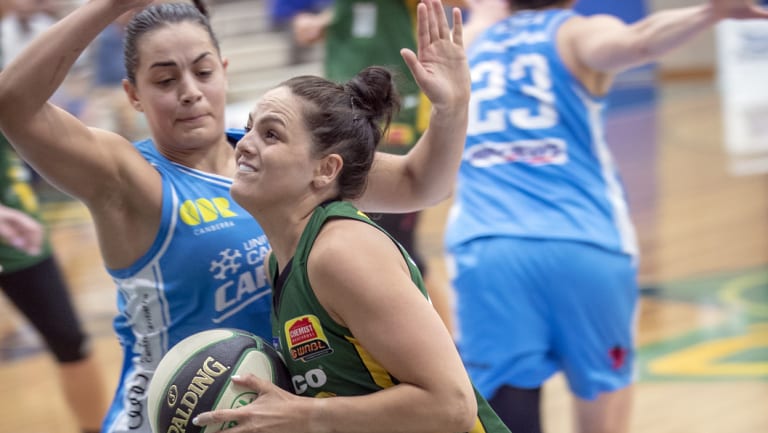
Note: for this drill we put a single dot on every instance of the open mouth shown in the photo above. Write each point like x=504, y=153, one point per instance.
x=245, y=168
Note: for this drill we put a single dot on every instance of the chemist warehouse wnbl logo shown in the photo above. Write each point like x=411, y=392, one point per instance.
x=306, y=338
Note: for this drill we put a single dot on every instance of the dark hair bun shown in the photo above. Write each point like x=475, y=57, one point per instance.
x=374, y=95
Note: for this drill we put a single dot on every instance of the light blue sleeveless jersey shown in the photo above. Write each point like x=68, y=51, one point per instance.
x=204, y=270
x=536, y=163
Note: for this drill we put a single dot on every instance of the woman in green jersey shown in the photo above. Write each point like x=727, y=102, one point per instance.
x=350, y=311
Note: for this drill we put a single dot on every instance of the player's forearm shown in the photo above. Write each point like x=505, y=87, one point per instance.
x=666, y=30
x=432, y=164
x=426, y=175
x=403, y=408
x=434, y=161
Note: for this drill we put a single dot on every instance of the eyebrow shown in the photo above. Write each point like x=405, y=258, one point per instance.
x=172, y=63
x=267, y=118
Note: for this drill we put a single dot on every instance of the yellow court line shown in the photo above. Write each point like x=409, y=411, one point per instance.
x=704, y=359
x=733, y=293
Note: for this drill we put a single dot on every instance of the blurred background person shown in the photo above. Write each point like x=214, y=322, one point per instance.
x=108, y=107
x=24, y=20
x=32, y=281
x=281, y=15
x=30, y=276
x=540, y=233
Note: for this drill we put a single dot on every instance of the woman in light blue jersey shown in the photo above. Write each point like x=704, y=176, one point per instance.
x=540, y=235
x=184, y=256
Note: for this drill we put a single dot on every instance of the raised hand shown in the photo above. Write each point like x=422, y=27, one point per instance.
x=440, y=67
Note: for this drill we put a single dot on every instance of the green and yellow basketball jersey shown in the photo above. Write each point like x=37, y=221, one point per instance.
x=324, y=358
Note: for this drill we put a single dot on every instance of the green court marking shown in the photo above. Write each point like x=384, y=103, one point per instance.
x=736, y=349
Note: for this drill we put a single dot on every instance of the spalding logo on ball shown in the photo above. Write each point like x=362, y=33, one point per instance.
x=194, y=377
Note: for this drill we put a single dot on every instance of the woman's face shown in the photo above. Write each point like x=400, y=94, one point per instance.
x=181, y=87
x=274, y=158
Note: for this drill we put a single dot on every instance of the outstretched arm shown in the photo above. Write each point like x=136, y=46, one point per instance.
x=426, y=175
x=98, y=167
x=605, y=44
x=49, y=138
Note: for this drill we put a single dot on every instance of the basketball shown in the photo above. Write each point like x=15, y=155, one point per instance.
x=194, y=377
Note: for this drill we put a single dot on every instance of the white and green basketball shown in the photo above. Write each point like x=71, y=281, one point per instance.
x=194, y=377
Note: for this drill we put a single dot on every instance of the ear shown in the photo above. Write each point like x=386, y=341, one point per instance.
x=225, y=65
x=133, y=98
x=327, y=170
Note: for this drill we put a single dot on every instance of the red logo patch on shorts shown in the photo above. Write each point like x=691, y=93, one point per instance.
x=618, y=356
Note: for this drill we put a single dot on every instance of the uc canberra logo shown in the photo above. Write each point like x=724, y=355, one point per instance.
x=203, y=210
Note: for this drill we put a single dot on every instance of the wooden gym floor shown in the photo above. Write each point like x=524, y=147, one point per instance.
x=703, y=319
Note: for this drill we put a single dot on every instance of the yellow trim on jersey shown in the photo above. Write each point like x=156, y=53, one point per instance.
x=379, y=375
x=478, y=428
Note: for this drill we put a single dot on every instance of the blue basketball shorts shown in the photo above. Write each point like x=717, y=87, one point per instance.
x=528, y=308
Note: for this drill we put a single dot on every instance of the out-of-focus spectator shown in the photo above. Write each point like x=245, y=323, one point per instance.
x=282, y=13
x=22, y=20
x=108, y=106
